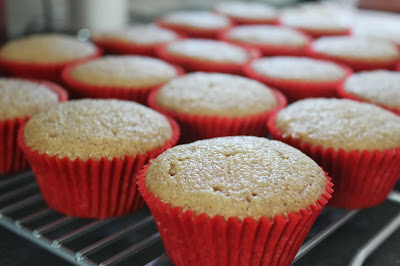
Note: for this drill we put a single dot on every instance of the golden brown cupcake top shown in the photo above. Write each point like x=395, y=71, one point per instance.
x=246, y=10
x=298, y=68
x=380, y=87
x=216, y=94
x=340, y=123
x=208, y=50
x=95, y=129
x=196, y=19
x=22, y=98
x=238, y=176
x=143, y=34
x=46, y=48
x=267, y=35
x=346, y=47
x=124, y=71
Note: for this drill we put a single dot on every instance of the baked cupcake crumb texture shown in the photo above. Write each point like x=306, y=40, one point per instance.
x=236, y=177
x=345, y=47
x=142, y=34
x=267, y=35
x=209, y=50
x=317, y=21
x=340, y=123
x=248, y=11
x=216, y=94
x=298, y=68
x=97, y=128
x=46, y=48
x=124, y=71
x=196, y=19
x=20, y=98
x=380, y=87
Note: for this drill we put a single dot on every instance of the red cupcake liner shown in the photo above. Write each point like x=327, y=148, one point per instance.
x=111, y=46
x=356, y=65
x=11, y=157
x=81, y=89
x=294, y=89
x=249, y=21
x=362, y=179
x=192, y=31
x=191, y=239
x=192, y=64
x=49, y=71
x=268, y=49
x=320, y=33
x=398, y=65
x=343, y=93
x=91, y=189
x=196, y=127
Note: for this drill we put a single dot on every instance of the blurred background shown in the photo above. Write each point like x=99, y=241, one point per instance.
x=22, y=17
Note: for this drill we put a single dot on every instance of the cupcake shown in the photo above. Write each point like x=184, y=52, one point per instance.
x=140, y=39
x=298, y=77
x=270, y=40
x=206, y=55
x=43, y=56
x=197, y=24
x=380, y=27
x=358, y=144
x=358, y=53
x=208, y=105
x=19, y=100
x=122, y=77
x=315, y=24
x=86, y=154
x=234, y=200
x=248, y=12
x=380, y=87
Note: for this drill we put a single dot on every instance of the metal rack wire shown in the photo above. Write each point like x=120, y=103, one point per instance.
x=133, y=238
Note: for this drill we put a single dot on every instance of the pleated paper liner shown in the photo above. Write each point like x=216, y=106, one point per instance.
x=269, y=49
x=45, y=71
x=81, y=89
x=91, y=189
x=355, y=64
x=342, y=93
x=193, y=32
x=196, y=127
x=362, y=179
x=321, y=33
x=191, y=239
x=294, y=89
x=193, y=64
x=398, y=65
x=11, y=157
x=111, y=46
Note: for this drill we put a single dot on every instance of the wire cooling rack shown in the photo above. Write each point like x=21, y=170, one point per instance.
x=133, y=239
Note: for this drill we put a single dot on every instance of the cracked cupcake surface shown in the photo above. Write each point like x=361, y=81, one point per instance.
x=236, y=177
x=97, y=129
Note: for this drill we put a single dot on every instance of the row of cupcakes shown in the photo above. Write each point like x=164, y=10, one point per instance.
x=128, y=78
x=208, y=24
x=104, y=197
x=210, y=105
x=86, y=155
x=183, y=188
x=48, y=55
x=132, y=78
